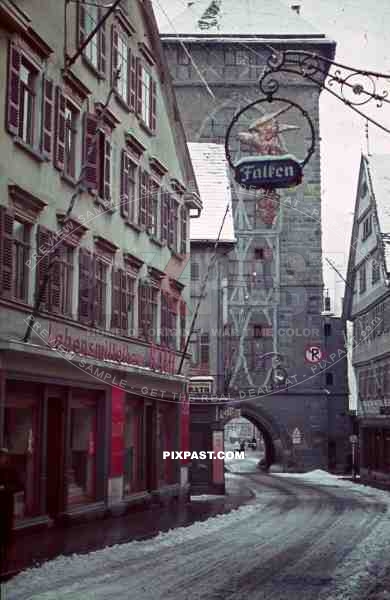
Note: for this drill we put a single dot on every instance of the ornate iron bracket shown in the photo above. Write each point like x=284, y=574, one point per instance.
x=354, y=87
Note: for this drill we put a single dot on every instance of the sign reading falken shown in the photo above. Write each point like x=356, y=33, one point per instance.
x=281, y=171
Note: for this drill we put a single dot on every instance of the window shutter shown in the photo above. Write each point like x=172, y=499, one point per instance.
x=86, y=280
x=153, y=105
x=13, y=100
x=6, y=251
x=47, y=115
x=139, y=86
x=90, y=151
x=124, y=199
x=133, y=80
x=59, y=153
x=81, y=24
x=44, y=256
x=107, y=168
x=55, y=282
x=116, y=298
x=184, y=230
x=102, y=48
x=124, y=300
x=114, y=55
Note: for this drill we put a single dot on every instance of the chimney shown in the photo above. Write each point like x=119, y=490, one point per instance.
x=296, y=8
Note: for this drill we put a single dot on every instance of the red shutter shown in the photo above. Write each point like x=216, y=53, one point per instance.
x=59, y=152
x=107, y=169
x=13, y=99
x=124, y=199
x=115, y=298
x=153, y=105
x=124, y=309
x=114, y=56
x=45, y=244
x=90, y=151
x=86, y=280
x=55, y=282
x=81, y=24
x=102, y=48
x=133, y=80
x=6, y=251
x=139, y=86
x=47, y=115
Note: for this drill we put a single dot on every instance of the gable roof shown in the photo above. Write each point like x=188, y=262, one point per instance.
x=376, y=171
x=212, y=177
x=247, y=18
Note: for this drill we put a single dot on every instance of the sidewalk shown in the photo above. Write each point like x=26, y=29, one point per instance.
x=35, y=548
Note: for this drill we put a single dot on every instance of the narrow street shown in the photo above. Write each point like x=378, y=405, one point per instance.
x=301, y=537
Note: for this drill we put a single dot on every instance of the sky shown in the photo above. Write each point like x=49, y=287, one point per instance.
x=361, y=29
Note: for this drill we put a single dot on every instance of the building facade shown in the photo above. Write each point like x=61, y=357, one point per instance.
x=367, y=307
x=96, y=193
x=275, y=286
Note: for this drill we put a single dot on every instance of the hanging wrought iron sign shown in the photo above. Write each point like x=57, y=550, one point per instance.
x=255, y=137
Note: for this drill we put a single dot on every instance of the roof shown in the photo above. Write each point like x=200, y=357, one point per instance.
x=379, y=173
x=212, y=177
x=247, y=18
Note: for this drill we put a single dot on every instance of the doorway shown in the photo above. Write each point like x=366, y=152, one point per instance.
x=55, y=455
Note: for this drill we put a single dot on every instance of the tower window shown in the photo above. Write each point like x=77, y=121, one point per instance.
x=327, y=329
x=329, y=379
x=259, y=253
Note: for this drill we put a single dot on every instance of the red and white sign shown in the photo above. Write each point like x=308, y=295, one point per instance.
x=313, y=354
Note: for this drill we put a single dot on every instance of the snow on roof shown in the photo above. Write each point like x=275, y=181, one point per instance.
x=379, y=169
x=245, y=18
x=212, y=177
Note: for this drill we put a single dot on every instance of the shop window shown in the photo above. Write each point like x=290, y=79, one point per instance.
x=133, y=447
x=82, y=468
x=21, y=422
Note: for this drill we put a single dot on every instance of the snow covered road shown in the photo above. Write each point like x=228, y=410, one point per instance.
x=303, y=537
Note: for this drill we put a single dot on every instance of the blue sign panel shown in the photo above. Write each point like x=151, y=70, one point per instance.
x=279, y=171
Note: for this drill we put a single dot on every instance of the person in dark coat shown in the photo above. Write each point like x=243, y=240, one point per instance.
x=9, y=485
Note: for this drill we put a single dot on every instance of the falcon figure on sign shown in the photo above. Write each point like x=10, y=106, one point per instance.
x=264, y=134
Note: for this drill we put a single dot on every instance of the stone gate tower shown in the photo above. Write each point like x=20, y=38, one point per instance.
x=275, y=287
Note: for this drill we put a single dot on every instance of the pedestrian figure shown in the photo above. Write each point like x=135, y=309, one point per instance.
x=9, y=485
x=242, y=446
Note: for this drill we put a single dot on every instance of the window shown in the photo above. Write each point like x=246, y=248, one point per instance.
x=128, y=201
x=153, y=207
x=122, y=309
x=327, y=330
x=184, y=229
x=21, y=251
x=147, y=311
x=257, y=331
x=97, y=158
x=95, y=52
x=123, y=67
x=259, y=253
x=362, y=278
x=101, y=269
x=376, y=272
x=328, y=378
x=168, y=321
x=194, y=271
x=27, y=102
x=367, y=227
x=144, y=199
x=172, y=227
x=70, y=140
x=204, y=349
x=147, y=97
x=61, y=281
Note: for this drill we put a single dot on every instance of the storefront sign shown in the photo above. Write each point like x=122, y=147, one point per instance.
x=159, y=359
x=269, y=171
